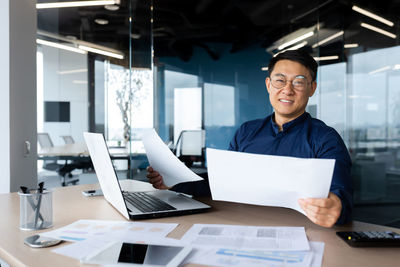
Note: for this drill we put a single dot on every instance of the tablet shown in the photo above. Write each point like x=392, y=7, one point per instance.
x=136, y=254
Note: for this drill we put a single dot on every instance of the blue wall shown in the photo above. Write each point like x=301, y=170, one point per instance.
x=241, y=70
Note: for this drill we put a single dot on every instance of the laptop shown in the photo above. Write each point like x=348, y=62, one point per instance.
x=135, y=205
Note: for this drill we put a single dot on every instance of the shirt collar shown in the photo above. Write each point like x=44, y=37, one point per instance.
x=290, y=124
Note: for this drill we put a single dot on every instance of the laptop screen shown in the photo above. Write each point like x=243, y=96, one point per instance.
x=105, y=171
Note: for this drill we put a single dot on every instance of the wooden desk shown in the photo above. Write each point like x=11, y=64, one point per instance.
x=79, y=150
x=69, y=205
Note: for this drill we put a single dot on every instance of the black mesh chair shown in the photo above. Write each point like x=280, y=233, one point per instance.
x=190, y=147
x=83, y=163
x=63, y=170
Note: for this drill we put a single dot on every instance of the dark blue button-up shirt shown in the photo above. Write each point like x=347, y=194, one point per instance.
x=304, y=137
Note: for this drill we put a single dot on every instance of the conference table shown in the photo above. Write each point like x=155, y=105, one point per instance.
x=71, y=151
x=69, y=205
x=78, y=152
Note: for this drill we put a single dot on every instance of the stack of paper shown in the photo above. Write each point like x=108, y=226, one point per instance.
x=213, y=244
x=230, y=245
x=91, y=235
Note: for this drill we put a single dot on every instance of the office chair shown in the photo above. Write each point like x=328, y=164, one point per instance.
x=62, y=170
x=190, y=147
x=68, y=139
x=82, y=163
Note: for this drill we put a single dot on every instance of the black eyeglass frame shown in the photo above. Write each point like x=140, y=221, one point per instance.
x=291, y=81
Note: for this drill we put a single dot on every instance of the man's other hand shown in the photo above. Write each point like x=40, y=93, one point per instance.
x=155, y=179
x=322, y=211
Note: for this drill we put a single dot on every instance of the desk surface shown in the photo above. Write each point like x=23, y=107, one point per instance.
x=69, y=205
x=80, y=149
x=77, y=149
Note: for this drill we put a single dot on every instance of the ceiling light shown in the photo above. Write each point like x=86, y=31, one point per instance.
x=372, y=15
x=350, y=45
x=396, y=67
x=353, y=96
x=86, y=46
x=101, y=52
x=295, y=40
x=76, y=4
x=333, y=36
x=135, y=36
x=379, y=70
x=300, y=45
x=79, y=82
x=60, y=46
x=273, y=48
x=264, y=68
x=101, y=21
x=112, y=7
x=71, y=71
x=326, y=58
x=378, y=30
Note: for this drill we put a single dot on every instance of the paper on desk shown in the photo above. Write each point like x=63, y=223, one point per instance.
x=267, y=180
x=318, y=253
x=256, y=258
x=246, y=237
x=79, y=250
x=110, y=230
x=165, y=162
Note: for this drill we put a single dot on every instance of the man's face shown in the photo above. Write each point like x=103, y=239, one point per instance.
x=290, y=101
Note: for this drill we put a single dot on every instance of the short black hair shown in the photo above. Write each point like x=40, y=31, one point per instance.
x=299, y=56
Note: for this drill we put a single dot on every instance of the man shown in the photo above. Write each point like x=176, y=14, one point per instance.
x=290, y=131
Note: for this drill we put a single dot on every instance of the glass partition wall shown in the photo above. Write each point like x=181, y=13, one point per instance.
x=222, y=48
x=94, y=68
x=210, y=62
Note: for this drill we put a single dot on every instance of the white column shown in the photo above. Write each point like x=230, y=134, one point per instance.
x=17, y=95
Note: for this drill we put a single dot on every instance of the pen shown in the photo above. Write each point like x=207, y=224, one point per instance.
x=24, y=190
x=40, y=191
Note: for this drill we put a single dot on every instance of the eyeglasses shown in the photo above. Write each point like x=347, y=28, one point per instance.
x=299, y=83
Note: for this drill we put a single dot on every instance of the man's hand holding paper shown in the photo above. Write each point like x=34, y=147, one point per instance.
x=235, y=176
x=322, y=211
x=166, y=164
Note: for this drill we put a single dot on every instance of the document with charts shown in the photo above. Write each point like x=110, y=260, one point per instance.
x=247, y=237
x=267, y=180
x=251, y=246
x=109, y=230
x=258, y=258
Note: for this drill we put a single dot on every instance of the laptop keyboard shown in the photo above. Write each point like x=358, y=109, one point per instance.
x=145, y=202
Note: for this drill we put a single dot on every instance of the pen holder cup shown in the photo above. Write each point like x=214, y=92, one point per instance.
x=36, y=210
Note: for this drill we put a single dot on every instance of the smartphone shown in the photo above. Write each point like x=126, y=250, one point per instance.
x=137, y=254
x=92, y=193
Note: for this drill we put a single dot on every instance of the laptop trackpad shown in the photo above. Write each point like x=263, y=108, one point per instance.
x=177, y=200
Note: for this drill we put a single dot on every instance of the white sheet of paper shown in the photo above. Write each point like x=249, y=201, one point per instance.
x=165, y=162
x=267, y=180
x=246, y=237
x=79, y=250
x=257, y=258
x=318, y=253
x=109, y=230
